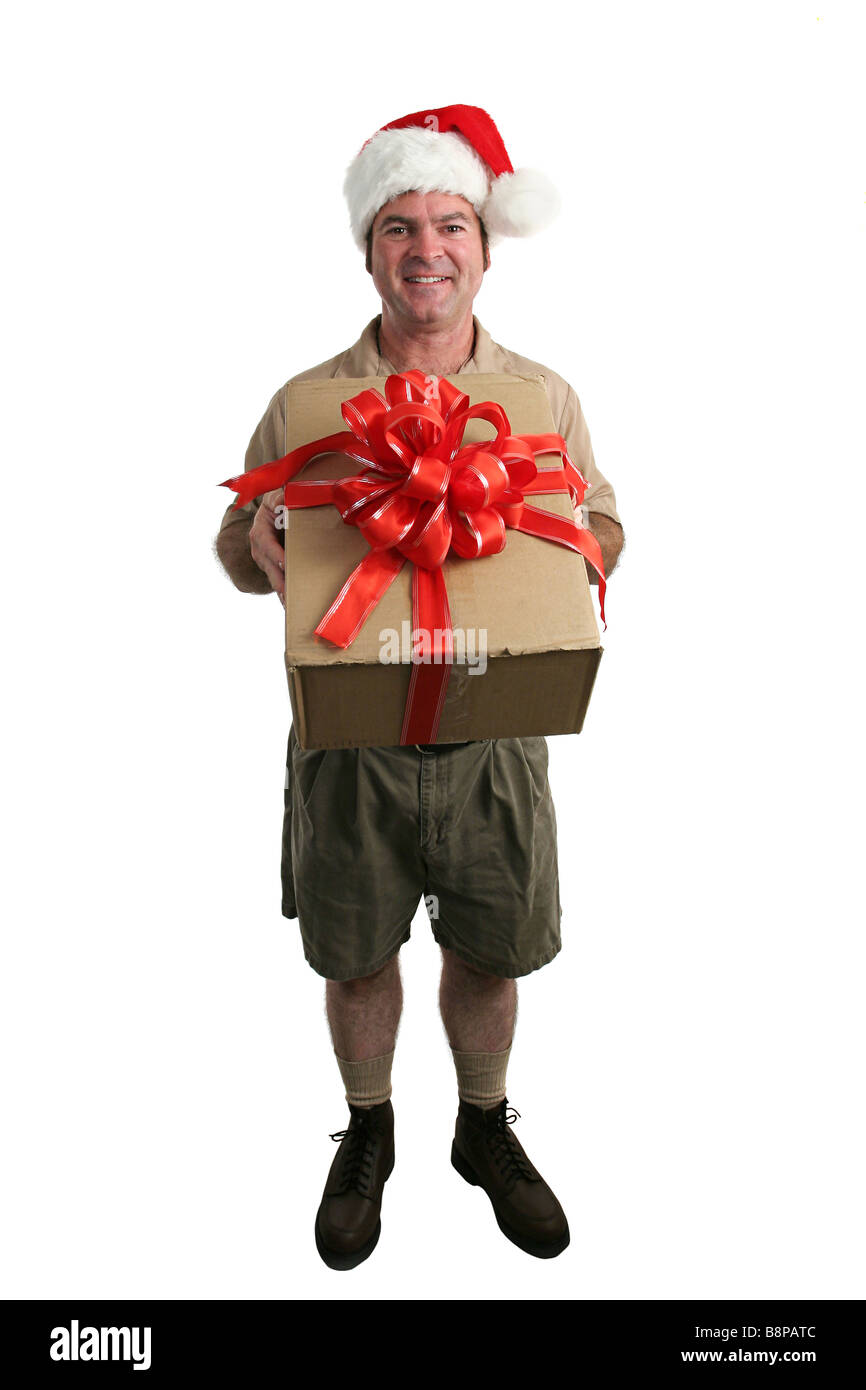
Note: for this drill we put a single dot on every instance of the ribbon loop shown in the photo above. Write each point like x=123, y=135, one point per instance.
x=428, y=478
x=480, y=481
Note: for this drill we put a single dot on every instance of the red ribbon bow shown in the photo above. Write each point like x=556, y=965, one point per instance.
x=421, y=494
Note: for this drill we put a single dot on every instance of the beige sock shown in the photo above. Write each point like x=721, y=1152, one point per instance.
x=367, y=1083
x=481, y=1076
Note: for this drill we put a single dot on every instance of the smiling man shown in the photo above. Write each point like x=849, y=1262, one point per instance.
x=367, y=832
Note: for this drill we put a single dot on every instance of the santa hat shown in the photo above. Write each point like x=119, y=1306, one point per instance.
x=451, y=149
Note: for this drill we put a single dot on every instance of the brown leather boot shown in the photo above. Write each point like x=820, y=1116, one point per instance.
x=348, y=1222
x=486, y=1152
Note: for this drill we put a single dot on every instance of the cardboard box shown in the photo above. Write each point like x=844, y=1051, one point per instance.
x=533, y=601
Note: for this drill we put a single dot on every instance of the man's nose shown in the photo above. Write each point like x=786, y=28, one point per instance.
x=427, y=243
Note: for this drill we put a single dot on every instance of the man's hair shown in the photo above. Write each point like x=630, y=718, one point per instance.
x=485, y=245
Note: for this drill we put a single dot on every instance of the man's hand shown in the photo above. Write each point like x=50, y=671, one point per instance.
x=609, y=535
x=266, y=547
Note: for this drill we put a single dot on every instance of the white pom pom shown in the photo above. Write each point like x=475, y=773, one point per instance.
x=520, y=204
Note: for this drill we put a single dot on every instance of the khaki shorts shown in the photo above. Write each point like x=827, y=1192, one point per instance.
x=470, y=827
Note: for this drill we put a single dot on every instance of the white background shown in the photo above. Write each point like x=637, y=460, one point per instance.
x=689, y=1070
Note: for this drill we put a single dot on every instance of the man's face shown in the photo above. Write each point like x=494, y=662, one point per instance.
x=426, y=257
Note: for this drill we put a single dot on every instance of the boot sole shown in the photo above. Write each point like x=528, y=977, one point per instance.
x=350, y=1259
x=542, y=1250
x=338, y=1259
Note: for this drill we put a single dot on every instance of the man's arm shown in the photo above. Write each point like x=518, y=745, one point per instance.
x=611, y=538
x=251, y=548
x=249, y=545
x=606, y=528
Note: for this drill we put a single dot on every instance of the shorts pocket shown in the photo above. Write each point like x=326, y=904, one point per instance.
x=306, y=767
x=534, y=751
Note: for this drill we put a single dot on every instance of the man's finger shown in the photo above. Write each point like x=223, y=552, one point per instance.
x=277, y=579
x=265, y=543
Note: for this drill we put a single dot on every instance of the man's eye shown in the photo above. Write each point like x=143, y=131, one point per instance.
x=455, y=227
x=396, y=229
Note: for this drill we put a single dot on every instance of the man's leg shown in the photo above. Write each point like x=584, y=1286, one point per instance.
x=363, y=1015
x=478, y=1012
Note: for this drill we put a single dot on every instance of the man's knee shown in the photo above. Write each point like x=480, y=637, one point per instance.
x=456, y=965
x=362, y=984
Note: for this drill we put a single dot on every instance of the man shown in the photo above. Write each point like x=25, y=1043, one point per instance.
x=367, y=831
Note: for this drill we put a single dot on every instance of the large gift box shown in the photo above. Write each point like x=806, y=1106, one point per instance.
x=445, y=575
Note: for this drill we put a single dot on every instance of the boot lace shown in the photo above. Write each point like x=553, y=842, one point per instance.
x=507, y=1153
x=359, y=1152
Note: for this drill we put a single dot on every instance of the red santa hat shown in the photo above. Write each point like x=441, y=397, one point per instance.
x=451, y=149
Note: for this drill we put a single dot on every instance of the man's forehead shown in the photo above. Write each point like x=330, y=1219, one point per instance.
x=439, y=207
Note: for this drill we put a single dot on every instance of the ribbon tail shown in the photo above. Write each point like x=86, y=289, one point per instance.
x=548, y=526
x=359, y=596
x=266, y=478
x=431, y=624
x=269, y=476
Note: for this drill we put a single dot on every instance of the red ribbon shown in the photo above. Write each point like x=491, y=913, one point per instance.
x=420, y=495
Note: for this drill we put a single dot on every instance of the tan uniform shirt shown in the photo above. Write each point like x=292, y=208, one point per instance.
x=269, y=440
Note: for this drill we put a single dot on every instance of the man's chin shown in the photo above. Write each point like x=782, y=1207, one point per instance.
x=427, y=308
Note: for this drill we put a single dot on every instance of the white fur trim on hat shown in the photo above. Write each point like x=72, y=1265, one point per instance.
x=411, y=160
